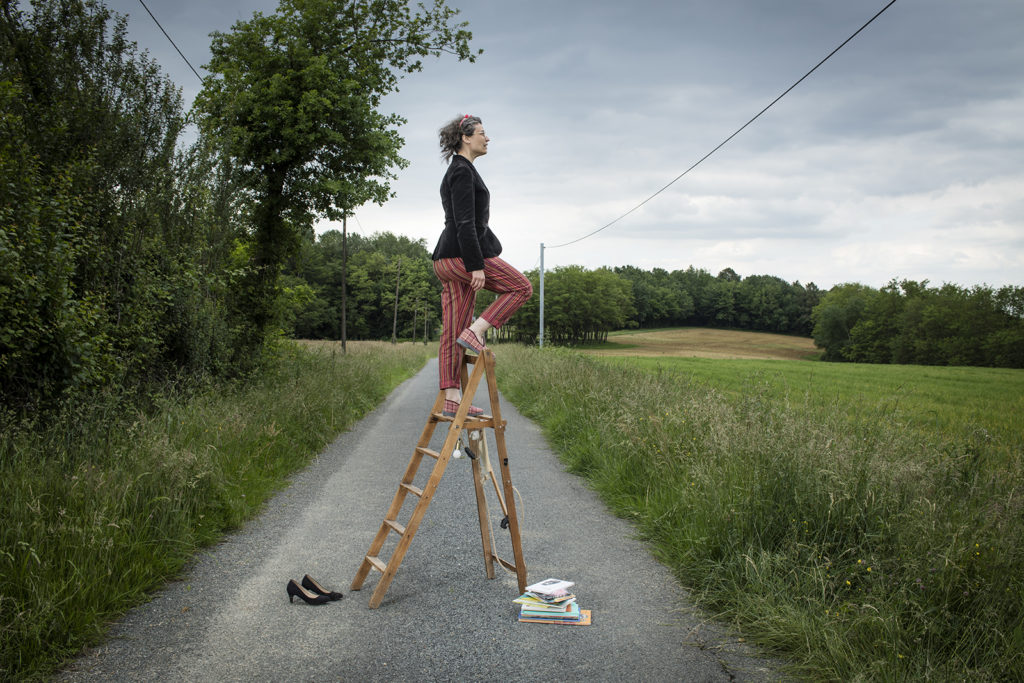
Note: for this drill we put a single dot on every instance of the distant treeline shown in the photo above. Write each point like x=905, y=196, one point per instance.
x=910, y=322
x=905, y=322
x=580, y=306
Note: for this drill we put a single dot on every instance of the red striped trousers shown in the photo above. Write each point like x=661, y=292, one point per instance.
x=458, y=300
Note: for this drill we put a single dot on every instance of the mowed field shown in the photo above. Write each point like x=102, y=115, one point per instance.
x=702, y=342
x=930, y=398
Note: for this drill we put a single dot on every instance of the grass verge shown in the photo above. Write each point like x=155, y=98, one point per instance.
x=834, y=532
x=101, y=507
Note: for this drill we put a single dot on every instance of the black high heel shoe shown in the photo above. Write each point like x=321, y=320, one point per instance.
x=311, y=584
x=295, y=590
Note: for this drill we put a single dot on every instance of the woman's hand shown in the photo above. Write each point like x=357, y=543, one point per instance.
x=477, y=280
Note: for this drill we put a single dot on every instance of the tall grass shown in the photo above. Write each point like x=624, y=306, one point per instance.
x=857, y=544
x=101, y=506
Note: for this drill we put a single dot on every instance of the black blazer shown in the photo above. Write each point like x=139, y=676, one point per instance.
x=467, y=211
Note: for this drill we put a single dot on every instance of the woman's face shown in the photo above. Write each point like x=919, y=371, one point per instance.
x=475, y=145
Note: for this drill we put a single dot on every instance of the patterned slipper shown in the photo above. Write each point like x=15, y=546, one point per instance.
x=469, y=340
x=452, y=407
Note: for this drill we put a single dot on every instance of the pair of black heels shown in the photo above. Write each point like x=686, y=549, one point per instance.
x=311, y=591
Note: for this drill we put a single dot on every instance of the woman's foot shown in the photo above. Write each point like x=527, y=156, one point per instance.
x=469, y=340
x=452, y=407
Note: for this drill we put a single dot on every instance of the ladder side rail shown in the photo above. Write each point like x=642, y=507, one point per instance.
x=481, y=509
x=398, y=501
x=398, y=554
x=506, y=475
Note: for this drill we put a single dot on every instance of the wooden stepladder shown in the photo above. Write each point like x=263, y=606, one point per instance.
x=460, y=427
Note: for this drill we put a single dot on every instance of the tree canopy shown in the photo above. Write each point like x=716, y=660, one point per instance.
x=293, y=98
x=910, y=322
x=112, y=244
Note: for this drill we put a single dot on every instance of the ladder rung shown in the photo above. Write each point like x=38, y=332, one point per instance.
x=470, y=422
x=426, y=451
x=376, y=563
x=396, y=526
x=413, y=490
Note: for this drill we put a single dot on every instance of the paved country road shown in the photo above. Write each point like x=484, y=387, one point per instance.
x=228, y=617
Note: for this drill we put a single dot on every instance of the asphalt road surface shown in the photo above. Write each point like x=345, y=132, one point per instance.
x=228, y=618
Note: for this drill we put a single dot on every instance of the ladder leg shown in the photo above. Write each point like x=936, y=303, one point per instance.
x=506, y=475
x=390, y=523
x=481, y=509
x=396, y=504
x=425, y=496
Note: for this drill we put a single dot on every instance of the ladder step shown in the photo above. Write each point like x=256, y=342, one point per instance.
x=414, y=490
x=470, y=423
x=376, y=563
x=396, y=526
x=426, y=451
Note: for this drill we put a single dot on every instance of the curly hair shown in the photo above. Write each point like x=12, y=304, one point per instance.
x=451, y=134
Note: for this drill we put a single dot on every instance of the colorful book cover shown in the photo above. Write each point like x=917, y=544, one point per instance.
x=584, y=620
x=551, y=587
x=550, y=599
x=570, y=611
x=538, y=603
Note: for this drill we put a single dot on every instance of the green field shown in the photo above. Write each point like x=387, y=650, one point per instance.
x=862, y=522
x=947, y=400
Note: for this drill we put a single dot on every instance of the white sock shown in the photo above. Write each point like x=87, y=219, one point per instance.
x=480, y=327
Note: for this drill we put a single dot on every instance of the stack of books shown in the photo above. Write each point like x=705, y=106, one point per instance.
x=551, y=602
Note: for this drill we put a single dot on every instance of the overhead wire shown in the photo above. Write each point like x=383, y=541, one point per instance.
x=141, y=2
x=724, y=142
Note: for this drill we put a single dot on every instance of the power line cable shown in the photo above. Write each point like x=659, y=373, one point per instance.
x=172, y=42
x=738, y=131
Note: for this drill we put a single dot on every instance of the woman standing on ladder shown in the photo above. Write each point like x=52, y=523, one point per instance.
x=466, y=258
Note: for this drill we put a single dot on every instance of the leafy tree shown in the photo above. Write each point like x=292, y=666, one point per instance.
x=698, y=284
x=294, y=99
x=873, y=337
x=656, y=299
x=723, y=301
x=580, y=306
x=840, y=309
x=800, y=306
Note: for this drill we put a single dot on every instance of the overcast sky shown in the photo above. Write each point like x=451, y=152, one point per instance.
x=901, y=157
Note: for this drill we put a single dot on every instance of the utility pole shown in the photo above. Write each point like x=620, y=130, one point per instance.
x=394, y=324
x=344, y=270
x=541, y=334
